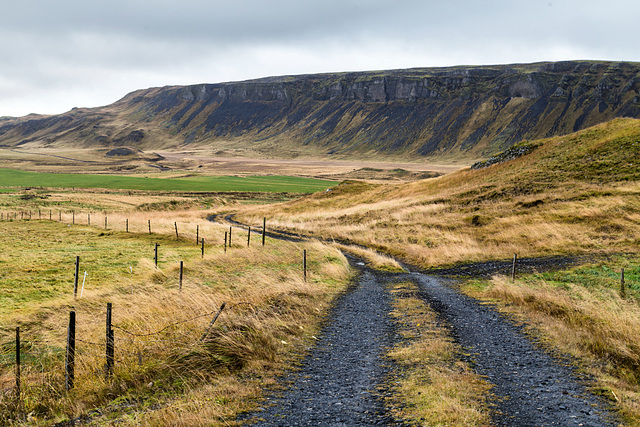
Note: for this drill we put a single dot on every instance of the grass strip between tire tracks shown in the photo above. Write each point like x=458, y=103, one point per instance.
x=433, y=387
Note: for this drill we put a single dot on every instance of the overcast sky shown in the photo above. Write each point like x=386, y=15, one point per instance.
x=60, y=54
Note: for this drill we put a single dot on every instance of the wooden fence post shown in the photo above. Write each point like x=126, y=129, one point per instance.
x=181, y=271
x=249, y=236
x=73, y=217
x=110, y=344
x=213, y=321
x=197, y=234
x=202, y=249
x=60, y=216
x=49, y=214
x=304, y=264
x=623, y=291
x=155, y=256
x=88, y=219
x=18, y=362
x=75, y=278
x=105, y=222
x=225, y=242
x=149, y=226
x=264, y=229
x=513, y=267
x=69, y=361
x=176, y=225
x=39, y=214
x=127, y=225
x=230, y=237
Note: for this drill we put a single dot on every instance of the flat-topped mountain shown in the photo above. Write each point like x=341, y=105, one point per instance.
x=455, y=112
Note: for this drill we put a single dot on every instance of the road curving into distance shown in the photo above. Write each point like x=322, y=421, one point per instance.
x=342, y=381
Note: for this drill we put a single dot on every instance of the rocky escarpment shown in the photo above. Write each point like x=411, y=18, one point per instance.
x=458, y=111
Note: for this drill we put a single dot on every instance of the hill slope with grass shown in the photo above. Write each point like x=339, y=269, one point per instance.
x=575, y=196
x=571, y=194
x=451, y=113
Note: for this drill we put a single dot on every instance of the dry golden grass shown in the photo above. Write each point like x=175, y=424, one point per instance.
x=271, y=312
x=577, y=194
x=431, y=228
x=591, y=323
x=434, y=388
x=374, y=259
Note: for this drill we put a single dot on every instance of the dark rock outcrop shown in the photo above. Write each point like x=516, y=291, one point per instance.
x=461, y=111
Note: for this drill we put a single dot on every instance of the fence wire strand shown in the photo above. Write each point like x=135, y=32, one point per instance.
x=163, y=329
x=141, y=341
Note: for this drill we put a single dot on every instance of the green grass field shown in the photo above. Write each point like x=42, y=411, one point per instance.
x=261, y=184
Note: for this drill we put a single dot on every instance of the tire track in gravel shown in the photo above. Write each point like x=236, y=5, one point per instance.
x=532, y=388
x=339, y=382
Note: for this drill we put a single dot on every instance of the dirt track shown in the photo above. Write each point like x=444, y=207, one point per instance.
x=338, y=383
x=530, y=386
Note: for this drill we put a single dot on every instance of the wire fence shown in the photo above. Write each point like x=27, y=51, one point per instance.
x=35, y=356
x=38, y=354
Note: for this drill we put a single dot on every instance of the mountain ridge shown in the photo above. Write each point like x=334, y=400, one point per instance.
x=457, y=112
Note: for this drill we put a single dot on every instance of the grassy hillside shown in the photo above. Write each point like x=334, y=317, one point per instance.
x=571, y=194
x=576, y=194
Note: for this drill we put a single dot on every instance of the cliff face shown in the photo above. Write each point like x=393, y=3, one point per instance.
x=458, y=112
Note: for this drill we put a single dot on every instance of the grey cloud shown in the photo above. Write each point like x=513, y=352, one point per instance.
x=80, y=45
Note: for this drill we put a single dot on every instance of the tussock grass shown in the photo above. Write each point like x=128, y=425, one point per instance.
x=580, y=312
x=165, y=354
x=375, y=259
x=433, y=388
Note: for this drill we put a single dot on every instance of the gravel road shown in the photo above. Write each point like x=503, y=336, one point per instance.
x=340, y=382
x=531, y=387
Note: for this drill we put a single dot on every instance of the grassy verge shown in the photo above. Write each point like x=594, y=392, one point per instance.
x=581, y=313
x=169, y=367
x=375, y=259
x=434, y=388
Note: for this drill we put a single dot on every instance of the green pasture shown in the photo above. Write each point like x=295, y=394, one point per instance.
x=260, y=184
x=37, y=261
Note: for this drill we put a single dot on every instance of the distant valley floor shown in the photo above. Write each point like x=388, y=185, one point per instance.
x=139, y=162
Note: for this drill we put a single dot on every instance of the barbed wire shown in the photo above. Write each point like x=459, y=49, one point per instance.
x=89, y=342
x=33, y=344
x=163, y=329
x=231, y=307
